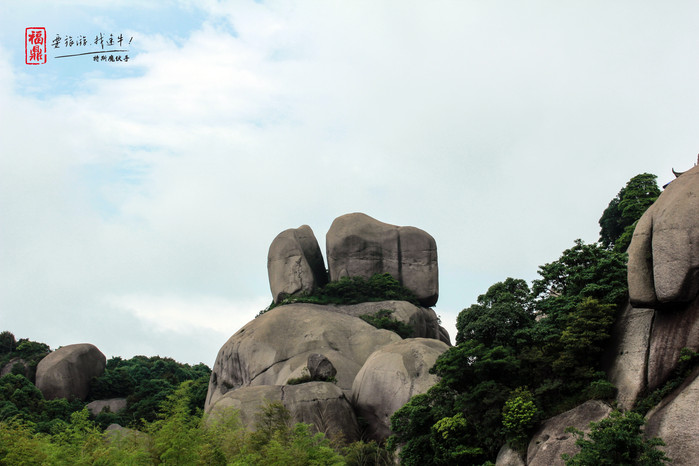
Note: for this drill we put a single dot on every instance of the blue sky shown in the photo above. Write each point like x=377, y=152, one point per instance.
x=139, y=199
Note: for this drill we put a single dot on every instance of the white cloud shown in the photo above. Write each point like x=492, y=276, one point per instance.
x=501, y=129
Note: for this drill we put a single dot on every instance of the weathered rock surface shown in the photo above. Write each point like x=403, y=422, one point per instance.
x=66, y=372
x=295, y=263
x=674, y=420
x=7, y=368
x=112, y=405
x=551, y=440
x=664, y=251
x=321, y=404
x=275, y=347
x=628, y=353
x=358, y=245
x=390, y=376
x=673, y=329
x=320, y=367
x=423, y=320
x=507, y=456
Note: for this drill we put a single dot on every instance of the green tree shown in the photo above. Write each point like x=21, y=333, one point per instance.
x=499, y=315
x=7, y=342
x=621, y=215
x=616, y=441
x=519, y=414
x=583, y=271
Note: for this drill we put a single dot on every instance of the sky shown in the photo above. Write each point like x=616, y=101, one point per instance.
x=138, y=198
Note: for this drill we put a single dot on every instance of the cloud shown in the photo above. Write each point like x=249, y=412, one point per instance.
x=138, y=206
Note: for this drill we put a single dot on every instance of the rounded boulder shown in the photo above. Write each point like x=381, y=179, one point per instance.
x=66, y=372
x=390, y=377
x=275, y=347
x=361, y=246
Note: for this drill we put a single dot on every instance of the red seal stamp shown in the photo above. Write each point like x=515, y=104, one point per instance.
x=35, y=46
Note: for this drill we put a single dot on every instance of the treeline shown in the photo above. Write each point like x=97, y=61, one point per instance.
x=145, y=383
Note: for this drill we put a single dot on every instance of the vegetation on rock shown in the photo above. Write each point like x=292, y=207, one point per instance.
x=383, y=319
x=616, y=441
x=355, y=290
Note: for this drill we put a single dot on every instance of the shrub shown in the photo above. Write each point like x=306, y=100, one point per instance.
x=355, y=290
x=383, y=319
x=616, y=441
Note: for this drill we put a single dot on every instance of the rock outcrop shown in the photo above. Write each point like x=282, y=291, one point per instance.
x=300, y=342
x=275, y=347
x=66, y=373
x=627, y=365
x=551, y=440
x=674, y=421
x=664, y=251
x=112, y=405
x=21, y=366
x=321, y=404
x=320, y=367
x=295, y=263
x=390, y=377
x=360, y=246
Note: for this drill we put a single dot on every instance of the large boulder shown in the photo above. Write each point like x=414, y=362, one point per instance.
x=320, y=367
x=275, y=347
x=674, y=421
x=66, y=373
x=358, y=245
x=552, y=440
x=664, y=251
x=295, y=263
x=111, y=405
x=390, y=377
x=320, y=404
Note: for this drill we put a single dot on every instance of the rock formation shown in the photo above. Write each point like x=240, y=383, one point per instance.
x=664, y=253
x=360, y=246
x=295, y=264
x=275, y=347
x=22, y=367
x=66, y=373
x=390, y=377
x=551, y=440
x=321, y=404
x=320, y=367
x=674, y=421
x=662, y=318
x=663, y=281
x=112, y=405
x=318, y=342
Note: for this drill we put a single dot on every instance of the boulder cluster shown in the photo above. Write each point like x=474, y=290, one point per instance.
x=350, y=369
x=357, y=246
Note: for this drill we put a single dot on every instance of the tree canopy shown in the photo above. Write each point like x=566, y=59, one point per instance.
x=621, y=215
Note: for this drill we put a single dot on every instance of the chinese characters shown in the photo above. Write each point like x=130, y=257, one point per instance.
x=35, y=46
x=110, y=48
